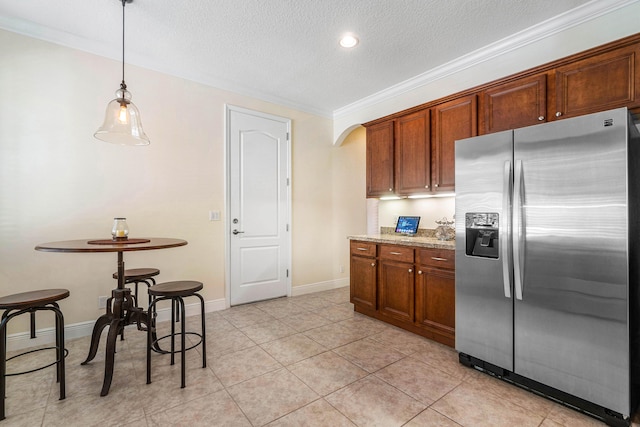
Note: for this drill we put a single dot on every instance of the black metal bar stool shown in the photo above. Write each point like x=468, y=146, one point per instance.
x=30, y=302
x=175, y=291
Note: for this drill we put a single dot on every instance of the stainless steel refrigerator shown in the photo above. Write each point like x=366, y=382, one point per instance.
x=547, y=230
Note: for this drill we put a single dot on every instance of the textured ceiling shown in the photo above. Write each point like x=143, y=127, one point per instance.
x=285, y=51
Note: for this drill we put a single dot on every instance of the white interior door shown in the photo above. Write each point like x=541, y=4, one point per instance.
x=259, y=205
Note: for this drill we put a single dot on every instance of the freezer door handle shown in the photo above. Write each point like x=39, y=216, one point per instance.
x=518, y=227
x=504, y=234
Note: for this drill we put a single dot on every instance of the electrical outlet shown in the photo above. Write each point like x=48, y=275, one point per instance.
x=102, y=301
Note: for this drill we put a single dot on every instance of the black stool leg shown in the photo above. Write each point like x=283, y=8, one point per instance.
x=173, y=332
x=60, y=349
x=151, y=312
x=3, y=362
x=204, y=336
x=183, y=334
x=33, y=324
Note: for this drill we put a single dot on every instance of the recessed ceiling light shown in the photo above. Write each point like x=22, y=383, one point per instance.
x=349, y=41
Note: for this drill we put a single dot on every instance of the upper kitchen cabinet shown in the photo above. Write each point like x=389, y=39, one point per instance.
x=380, y=177
x=601, y=82
x=514, y=104
x=451, y=121
x=413, y=153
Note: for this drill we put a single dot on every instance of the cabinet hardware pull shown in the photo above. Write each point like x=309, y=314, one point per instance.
x=362, y=249
x=395, y=253
x=438, y=259
x=436, y=185
x=419, y=271
x=373, y=264
x=541, y=118
x=426, y=186
x=410, y=271
x=558, y=114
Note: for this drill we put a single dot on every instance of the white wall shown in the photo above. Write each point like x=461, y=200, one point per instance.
x=57, y=182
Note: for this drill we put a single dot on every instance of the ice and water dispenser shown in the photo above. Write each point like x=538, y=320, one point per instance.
x=482, y=234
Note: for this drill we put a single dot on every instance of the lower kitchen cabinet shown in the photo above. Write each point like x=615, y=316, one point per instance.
x=363, y=274
x=396, y=282
x=409, y=287
x=435, y=301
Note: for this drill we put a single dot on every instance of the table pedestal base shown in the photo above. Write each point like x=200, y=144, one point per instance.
x=123, y=313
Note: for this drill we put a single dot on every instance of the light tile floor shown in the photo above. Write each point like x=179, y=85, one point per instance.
x=300, y=361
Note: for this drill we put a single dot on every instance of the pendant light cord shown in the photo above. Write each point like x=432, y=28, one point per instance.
x=123, y=85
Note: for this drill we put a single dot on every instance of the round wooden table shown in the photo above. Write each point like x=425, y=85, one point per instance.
x=121, y=310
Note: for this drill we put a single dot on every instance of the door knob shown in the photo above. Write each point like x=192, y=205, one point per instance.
x=237, y=232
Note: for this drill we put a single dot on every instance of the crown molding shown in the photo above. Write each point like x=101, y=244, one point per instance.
x=562, y=22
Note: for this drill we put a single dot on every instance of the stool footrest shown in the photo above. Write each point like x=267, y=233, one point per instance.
x=66, y=353
x=156, y=348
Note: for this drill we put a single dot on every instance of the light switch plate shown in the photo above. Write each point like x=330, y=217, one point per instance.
x=214, y=215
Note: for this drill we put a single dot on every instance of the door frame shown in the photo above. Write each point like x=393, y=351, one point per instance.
x=228, y=108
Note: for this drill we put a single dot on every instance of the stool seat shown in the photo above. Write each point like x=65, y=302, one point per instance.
x=178, y=288
x=133, y=274
x=32, y=298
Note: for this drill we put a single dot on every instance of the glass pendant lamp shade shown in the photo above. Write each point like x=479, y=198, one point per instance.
x=122, y=124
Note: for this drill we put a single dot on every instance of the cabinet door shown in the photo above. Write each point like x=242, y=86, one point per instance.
x=513, y=105
x=380, y=159
x=602, y=82
x=363, y=281
x=435, y=299
x=396, y=290
x=452, y=120
x=413, y=153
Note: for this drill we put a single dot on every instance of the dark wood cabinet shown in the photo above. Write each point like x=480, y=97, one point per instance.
x=601, y=82
x=415, y=288
x=453, y=120
x=513, y=105
x=435, y=293
x=396, y=282
x=413, y=153
x=380, y=162
x=598, y=79
x=363, y=291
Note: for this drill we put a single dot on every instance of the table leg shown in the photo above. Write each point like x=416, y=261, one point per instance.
x=102, y=321
x=110, y=355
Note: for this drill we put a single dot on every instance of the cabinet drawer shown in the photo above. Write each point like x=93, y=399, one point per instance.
x=439, y=258
x=396, y=253
x=363, y=249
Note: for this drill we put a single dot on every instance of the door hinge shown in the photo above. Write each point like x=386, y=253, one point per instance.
x=287, y=227
x=287, y=136
x=287, y=272
x=287, y=182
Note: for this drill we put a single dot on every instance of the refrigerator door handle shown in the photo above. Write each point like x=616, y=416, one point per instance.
x=505, y=232
x=518, y=225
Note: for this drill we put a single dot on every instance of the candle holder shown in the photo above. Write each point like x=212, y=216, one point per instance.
x=120, y=230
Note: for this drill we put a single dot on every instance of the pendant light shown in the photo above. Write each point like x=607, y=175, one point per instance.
x=122, y=124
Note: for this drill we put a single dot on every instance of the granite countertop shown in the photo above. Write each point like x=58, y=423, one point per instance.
x=396, y=239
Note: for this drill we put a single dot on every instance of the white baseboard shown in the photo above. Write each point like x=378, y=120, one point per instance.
x=22, y=340
x=319, y=287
